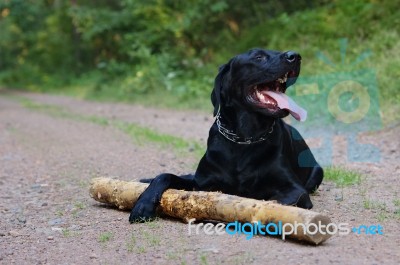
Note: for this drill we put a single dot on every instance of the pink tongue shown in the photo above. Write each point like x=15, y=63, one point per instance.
x=285, y=102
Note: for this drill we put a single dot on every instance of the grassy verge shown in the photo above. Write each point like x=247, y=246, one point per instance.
x=139, y=134
x=142, y=134
x=342, y=177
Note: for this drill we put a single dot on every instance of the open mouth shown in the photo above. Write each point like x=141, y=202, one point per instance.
x=271, y=95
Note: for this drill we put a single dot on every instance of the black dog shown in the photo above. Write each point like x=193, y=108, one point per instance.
x=251, y=152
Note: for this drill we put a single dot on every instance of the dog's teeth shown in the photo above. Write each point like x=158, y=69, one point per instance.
x=282, y=79
x=260, y=96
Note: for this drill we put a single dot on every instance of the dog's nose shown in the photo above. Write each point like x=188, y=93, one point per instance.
x=292, y=57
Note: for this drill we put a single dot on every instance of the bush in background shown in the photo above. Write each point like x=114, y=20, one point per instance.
x=167, y=52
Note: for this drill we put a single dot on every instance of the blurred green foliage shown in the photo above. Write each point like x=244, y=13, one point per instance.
x=168, y=51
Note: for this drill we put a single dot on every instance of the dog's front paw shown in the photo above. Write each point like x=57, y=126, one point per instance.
x=304, y=201
x=142, y=212
x=297, y=197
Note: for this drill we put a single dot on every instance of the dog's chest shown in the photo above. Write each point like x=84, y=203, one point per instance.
x=251, y=160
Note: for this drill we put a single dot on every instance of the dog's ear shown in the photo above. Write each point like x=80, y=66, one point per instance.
x=218, y=83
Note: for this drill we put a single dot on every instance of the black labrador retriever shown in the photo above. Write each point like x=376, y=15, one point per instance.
x=251, y=151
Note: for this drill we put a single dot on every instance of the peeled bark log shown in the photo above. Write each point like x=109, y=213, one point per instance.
x=216, y=206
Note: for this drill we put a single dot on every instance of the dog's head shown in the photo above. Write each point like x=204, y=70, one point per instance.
x=257, y=81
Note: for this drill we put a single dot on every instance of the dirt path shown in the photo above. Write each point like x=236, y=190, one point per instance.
x=47, y=216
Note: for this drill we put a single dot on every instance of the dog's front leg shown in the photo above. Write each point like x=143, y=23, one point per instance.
x=294, y=195
x=315, y=179
x=289, y=189
x=146, y=205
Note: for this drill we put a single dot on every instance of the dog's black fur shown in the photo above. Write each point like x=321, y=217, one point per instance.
x=275, y=165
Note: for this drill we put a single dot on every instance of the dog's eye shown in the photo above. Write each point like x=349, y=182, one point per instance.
x=261, y=58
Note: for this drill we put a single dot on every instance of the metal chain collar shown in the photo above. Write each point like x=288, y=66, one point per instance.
x=230, y=135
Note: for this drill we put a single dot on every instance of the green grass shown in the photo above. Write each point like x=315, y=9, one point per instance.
x=342, y=177
x=82, y=183
x=59, y=213
x=139, y=134
x=145, y=135
x=66, y=232
x=153, y=224
x=141, y=249
x=151, y=238
x=203, y=259
x=382, y=216
x=60, y=112
x=172, y=255
x=369, y=204
x=105, y=237
x=396, y=203
x=79, y=205
x=131, y=244
x=381, y=209
x=49, y=109
x=140, y=241
x=160, y=98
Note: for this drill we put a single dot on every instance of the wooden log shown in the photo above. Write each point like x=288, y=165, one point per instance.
x=216, y=206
